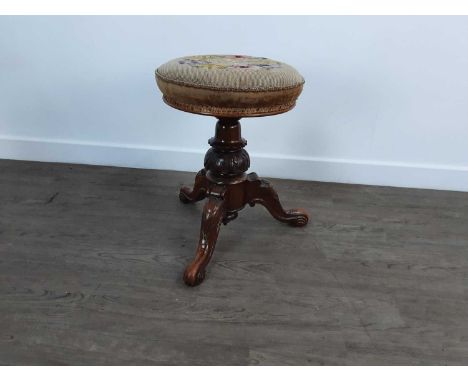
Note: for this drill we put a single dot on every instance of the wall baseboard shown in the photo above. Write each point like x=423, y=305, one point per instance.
x=395, y=174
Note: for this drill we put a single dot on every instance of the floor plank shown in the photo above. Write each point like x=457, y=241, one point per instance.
x=91, y=260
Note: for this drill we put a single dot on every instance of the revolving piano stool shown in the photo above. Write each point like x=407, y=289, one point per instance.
x=229, y=88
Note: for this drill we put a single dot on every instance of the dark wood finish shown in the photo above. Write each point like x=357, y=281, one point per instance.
x=213, y=214
x=260, y=191
x=198, y=192
x=92, y=276
x=229, y=189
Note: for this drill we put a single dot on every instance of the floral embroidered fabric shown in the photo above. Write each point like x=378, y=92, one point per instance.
x=230, y=62
x=230, y=72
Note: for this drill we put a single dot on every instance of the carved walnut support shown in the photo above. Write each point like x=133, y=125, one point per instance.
x=213, y=215
x=260, y=191
x=200, y=188
x=228, y=189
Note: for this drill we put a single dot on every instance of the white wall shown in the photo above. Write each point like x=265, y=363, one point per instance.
x=385, y=100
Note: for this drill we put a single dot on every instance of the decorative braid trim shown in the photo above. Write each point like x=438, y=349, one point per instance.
x=230, y=111
x=226, y=89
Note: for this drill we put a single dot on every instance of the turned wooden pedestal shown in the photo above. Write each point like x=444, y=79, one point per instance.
x=227, y=188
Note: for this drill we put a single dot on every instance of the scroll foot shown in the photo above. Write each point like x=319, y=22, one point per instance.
x=187, y=195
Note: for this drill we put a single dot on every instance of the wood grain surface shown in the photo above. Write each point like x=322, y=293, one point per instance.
x=91, y=260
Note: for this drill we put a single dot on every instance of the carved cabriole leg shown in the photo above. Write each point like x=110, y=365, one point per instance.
x=260, y=191
x=200, y=188
x=213, y=215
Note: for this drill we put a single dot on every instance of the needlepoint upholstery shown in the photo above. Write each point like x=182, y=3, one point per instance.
x=229, y=85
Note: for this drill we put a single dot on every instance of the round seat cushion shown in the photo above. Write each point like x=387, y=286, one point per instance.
x=229, y=85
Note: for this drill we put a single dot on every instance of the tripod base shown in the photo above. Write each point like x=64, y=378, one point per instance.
x=222, y=205
x=227, y=188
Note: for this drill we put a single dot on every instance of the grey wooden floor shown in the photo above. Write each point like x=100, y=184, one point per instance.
x=91, y=261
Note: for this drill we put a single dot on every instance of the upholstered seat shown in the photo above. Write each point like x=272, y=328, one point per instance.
x=229, y=86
